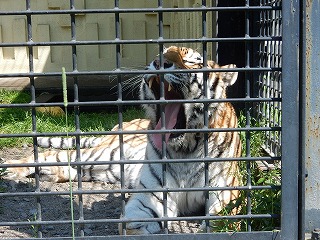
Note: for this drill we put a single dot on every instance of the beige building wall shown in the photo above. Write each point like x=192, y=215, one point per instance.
x=52, y=27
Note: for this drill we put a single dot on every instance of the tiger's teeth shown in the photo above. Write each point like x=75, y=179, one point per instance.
x=150, y=82
x=169, y=87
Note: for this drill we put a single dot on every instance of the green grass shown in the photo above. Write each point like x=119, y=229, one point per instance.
x=19, y=120
x=262, y=201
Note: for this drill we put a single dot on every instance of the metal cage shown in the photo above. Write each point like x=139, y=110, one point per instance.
x=92, y=36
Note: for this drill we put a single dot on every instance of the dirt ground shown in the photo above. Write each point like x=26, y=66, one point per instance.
x=57, y=207
x=54, y=207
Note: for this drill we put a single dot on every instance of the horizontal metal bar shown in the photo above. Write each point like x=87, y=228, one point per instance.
x=209, y=130
x=137, y=102
x=122, y=220
x=138, y=10
x=140, y=41
x=135, y=72
x=137, y=190
x=150, y=161
x=261, y=235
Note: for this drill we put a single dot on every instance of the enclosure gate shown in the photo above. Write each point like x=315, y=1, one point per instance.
x=99, y=43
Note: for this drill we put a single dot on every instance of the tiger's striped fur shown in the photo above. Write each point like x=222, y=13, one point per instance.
x=177, y=145
x=107, y=150
x=90, y=142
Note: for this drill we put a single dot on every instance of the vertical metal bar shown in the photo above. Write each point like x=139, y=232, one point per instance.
x=76, y=113
x=162, y=86
x=260, y=89
x=247, y=112
x=303, y=103
x=162, y=96
x=217, y=29
x=290, y=119
x=206, y=114
x=120, y=111
x=34, y=120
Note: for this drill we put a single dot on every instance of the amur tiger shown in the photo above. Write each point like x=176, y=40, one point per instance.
x=169, y=84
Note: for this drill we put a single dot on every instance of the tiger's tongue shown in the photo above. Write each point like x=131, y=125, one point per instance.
x=171, y=115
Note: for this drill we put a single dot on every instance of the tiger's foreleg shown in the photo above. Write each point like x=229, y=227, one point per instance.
x=148, y=205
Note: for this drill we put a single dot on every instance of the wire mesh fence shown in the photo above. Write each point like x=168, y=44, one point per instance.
x=105, y=48
x=270, y=55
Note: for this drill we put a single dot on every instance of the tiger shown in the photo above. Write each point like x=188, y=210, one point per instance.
x=172, y=78
x=185, y=145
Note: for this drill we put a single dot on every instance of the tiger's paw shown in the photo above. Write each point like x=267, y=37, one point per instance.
x=139, y=228
x=14, y=173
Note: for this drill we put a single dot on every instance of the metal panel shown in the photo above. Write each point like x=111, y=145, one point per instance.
x=290, y=119
x=311, y=113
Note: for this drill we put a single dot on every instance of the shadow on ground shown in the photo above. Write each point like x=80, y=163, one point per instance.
x=56, y=208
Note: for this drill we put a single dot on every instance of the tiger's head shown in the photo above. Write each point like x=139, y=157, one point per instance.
x=184, y=85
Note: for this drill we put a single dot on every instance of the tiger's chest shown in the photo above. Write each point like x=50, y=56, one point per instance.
x=184, y=171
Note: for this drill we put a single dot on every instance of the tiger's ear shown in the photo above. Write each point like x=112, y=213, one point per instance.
x=229, y=78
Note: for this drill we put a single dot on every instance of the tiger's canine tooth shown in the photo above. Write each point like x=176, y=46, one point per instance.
x=150, y=82
x=169, y=87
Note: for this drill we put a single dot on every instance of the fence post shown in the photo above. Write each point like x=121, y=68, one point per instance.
x=312, y=115
x=290, y=120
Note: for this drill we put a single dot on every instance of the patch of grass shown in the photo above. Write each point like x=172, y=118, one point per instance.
x=19, y=120
x=263, y=201
x=13, y=120
x=12, y=97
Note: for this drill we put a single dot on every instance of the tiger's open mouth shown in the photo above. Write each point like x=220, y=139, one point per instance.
x=174, y=112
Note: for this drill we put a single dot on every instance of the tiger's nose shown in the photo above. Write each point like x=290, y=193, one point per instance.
x=166, y=64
